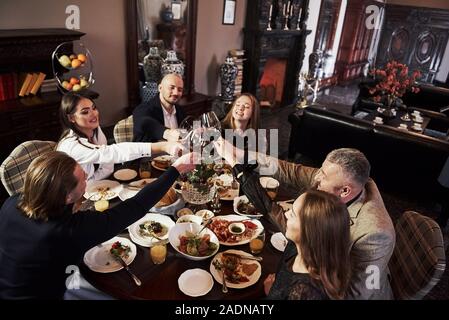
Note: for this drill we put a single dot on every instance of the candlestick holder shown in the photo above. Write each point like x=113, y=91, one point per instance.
x=269, y=24
x=286, y=23
x=299, y=20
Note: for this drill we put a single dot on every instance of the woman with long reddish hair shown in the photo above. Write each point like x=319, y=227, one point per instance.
x=316, y=262
x=244, y=114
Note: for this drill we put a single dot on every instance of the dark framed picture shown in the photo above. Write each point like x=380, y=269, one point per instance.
x=229, y=11
x=176, y=9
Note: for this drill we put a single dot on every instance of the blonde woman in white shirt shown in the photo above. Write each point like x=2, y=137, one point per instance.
x=83, y=139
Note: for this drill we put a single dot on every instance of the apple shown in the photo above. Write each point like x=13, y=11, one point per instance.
x=69, y=86
x=83, y=83
x=72, y=56
x=76, y=87
x=75, y=63
x=82, y=57
x=74, y=81
x=65, y=61
x=64, y=84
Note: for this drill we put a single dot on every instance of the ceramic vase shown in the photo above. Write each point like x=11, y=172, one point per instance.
x=152, y=65
x=172, y=65
x=228, y=73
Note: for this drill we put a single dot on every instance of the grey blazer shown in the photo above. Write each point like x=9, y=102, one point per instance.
x=372, y=233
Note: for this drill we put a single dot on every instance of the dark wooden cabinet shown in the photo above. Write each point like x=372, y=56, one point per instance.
x=415, y=36
x=31, y=117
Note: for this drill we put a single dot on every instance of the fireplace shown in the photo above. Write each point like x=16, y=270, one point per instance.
x=274, y=58
x=272, y=82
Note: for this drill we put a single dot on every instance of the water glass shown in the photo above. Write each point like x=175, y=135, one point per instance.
x=272, y=188
x=158, y=253
x=144, y=169
x=256, y=245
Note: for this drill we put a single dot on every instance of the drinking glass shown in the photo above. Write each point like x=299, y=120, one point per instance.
x=256, y=245
x=210, y=120
x=144, y=169
x=272, y=188
x=158, y=253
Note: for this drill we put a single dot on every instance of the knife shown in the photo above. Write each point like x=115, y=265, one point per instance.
x=242, y=256
x=123, y=263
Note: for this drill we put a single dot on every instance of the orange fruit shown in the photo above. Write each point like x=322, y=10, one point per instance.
x=76, y=63
x=74, y=81
x=82, y=57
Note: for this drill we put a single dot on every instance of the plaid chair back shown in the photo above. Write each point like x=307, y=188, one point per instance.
x=418, y=260
x=13, y=169
x=123, y=130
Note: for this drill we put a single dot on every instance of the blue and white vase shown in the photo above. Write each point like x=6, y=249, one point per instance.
x=228, y=73
x=172, y=65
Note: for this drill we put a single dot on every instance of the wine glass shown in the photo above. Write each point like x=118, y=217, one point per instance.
x=210, y=120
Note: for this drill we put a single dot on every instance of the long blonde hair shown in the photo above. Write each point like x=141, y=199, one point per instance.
x=324, y=241
x=49, y=179
x=253, y=123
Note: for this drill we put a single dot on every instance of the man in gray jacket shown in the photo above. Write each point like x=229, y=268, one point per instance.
x=345, y=173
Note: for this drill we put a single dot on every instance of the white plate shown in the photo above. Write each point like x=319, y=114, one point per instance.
x=99, y=259
x=264, y=181
x=93, y=187
x=245, y=199
x=147, y=241
x=252, y=279
x=236, y=218
x=161, y=158
x=225, y=180
x=125, y=174
x=127, y=193
x=279, y=241
x=195, y=282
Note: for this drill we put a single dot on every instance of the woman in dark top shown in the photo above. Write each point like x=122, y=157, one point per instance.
x=316, y=264
x=40, y=236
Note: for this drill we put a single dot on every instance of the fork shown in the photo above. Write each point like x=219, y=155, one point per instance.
x=224, y=288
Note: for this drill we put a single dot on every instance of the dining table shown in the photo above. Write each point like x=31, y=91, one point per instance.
x=160, y=281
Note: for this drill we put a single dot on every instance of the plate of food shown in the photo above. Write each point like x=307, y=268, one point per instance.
x=101, y=258
x=239, y=272
x=227, y=188
x=187, y=239
x=195, y=282
x=125, y=174
x=131, y=189
x=162, y=162
x=226, y=228
x=151, y=229
x=102, y=190
x=244, y=207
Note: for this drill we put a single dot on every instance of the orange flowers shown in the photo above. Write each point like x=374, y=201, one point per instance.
x=394, y=81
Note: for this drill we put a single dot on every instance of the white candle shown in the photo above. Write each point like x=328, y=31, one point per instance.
x=271, y=10
x=283, y=9
x=291, y=10
x=288, y=7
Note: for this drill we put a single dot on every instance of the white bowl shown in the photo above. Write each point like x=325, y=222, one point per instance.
x=245, y=200
x=190, y=218
x=236, y=228
x=195, y=282
x=181, y=229
x=205, y=214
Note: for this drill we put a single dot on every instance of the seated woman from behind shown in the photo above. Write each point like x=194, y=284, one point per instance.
x=83, y=139
x=316, y=264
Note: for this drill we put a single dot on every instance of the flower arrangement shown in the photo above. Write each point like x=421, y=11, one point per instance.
x=393, y=82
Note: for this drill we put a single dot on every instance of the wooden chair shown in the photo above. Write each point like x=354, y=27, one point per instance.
x=418, y=260
x=13, y=169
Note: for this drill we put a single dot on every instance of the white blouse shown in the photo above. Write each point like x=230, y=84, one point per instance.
x=88, y=154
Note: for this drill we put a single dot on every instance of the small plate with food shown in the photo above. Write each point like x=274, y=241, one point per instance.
x=162, y=162
x=101, y=257
x=151, y=229
x=239, y=272
x=227, y=187
x=125, y=174
x=131, y=189
x=187, y=239
x=234, y=230
x=184, y=212
x=190, y=218
x=205, y=214
x=244, y=207
x=195, y=282
x=102, y=190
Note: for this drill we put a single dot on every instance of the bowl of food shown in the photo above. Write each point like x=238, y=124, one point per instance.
x=190, y=218
x=236, y=228
x=244, y=207
x=187, y=239
x=183, y=212
x=205, y=214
